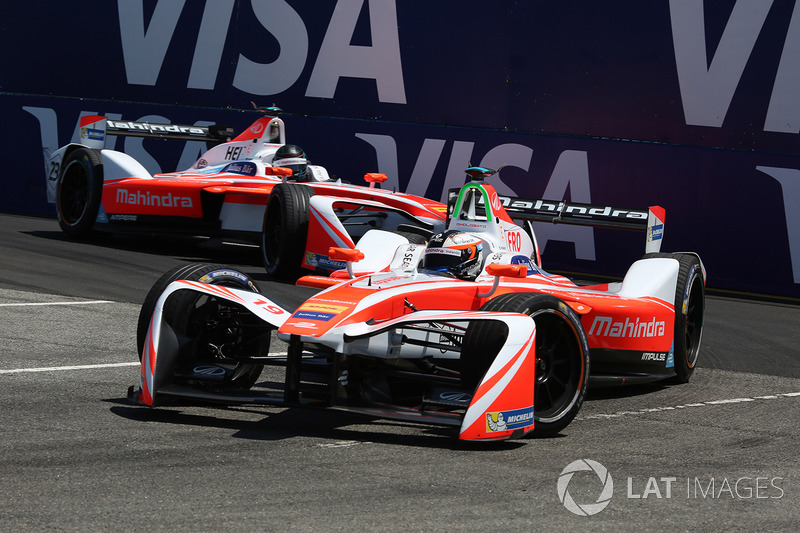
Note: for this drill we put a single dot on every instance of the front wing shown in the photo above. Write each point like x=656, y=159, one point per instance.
x=507, y=387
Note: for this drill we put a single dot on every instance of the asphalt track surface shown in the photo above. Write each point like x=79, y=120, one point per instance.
x=720, y=452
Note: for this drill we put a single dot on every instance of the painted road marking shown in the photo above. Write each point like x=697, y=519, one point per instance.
x=85, y=302
x=84, y=367
x=689, y=405
x=58, y=368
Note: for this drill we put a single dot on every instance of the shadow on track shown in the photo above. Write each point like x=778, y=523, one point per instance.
x=286, y=423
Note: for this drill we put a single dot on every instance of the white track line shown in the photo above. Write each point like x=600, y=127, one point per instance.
x=84, y=367
x=88, y=302
x=601, y=416
x=688, y=405
x=58, y=368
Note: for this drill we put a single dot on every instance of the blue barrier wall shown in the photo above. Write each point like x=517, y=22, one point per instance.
x=688, y=105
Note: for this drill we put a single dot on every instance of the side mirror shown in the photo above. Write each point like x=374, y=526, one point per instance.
x=375, y=177
x=499, y=270
x=346, y=254
x=510, y=271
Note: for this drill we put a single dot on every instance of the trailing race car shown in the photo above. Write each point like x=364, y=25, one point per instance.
x=252, y=186
x=467, y=331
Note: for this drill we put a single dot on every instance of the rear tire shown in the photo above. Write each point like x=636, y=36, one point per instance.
x=193, y=315
x=285, y=228
x=562, y=356
x=689, y=313
x=79, y=192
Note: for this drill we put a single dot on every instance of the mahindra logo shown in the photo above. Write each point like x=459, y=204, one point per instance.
x=140, y=198
x=454, y=396
x=494, y=200
x=604, y=326
x=155, y=128
x=209, y=370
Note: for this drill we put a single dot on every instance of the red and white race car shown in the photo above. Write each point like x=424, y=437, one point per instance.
x=467, y=331
x=252, y=186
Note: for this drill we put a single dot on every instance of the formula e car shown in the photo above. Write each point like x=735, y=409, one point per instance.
x=467, y=331
x=252, y=187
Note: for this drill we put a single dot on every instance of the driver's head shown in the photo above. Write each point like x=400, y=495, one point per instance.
x=458, y=253
x=292, y=157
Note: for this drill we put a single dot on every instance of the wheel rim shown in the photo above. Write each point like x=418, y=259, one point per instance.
x=222, y=334
x=558, y=365
x=694, y=323
x=74, y=193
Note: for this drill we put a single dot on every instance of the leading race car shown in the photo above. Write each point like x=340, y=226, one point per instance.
x=252, y=187
x=467, y=331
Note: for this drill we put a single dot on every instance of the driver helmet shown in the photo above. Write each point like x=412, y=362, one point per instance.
x=293, y=157
x=456, y=252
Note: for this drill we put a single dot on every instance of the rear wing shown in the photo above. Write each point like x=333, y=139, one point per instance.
x=94, y=128
x=650, y=220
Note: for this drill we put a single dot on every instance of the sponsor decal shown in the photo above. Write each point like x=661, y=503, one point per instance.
x=225, y=273
x=245, y=168
x=201, y=163
x=208, y=370
x=153, y=200
x=463, y=238
x=387, y=280
x=506, y=420
x=319, y=311
x=522, y=260
x=605, y=326
x=654, y=356
x=455, y=396
x=155, y=128
x=459, y=224
x=306, y=325
x=494, y=201
x=123, y=218
x=313, y=315
x=671, y=356
x=573, y=208
x=655, y=233
x=233, y=152
x=324, y=307
x=685, y=306
x=324, y=261
x=93, y=134
x=328, y=300
x=408, y=257
x=444, y=251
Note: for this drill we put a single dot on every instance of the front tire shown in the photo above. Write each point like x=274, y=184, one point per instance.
x=205, y=322
x=562, y=356
x=285, y=228
x=79, y=192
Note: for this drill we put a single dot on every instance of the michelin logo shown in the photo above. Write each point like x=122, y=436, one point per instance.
x=506, y=420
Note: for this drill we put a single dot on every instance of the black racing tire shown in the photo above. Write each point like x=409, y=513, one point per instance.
x=562, y=356
x=413, y=238
x=79, y=191
x=191, y=313
x=285, y=228
x=689, y=313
